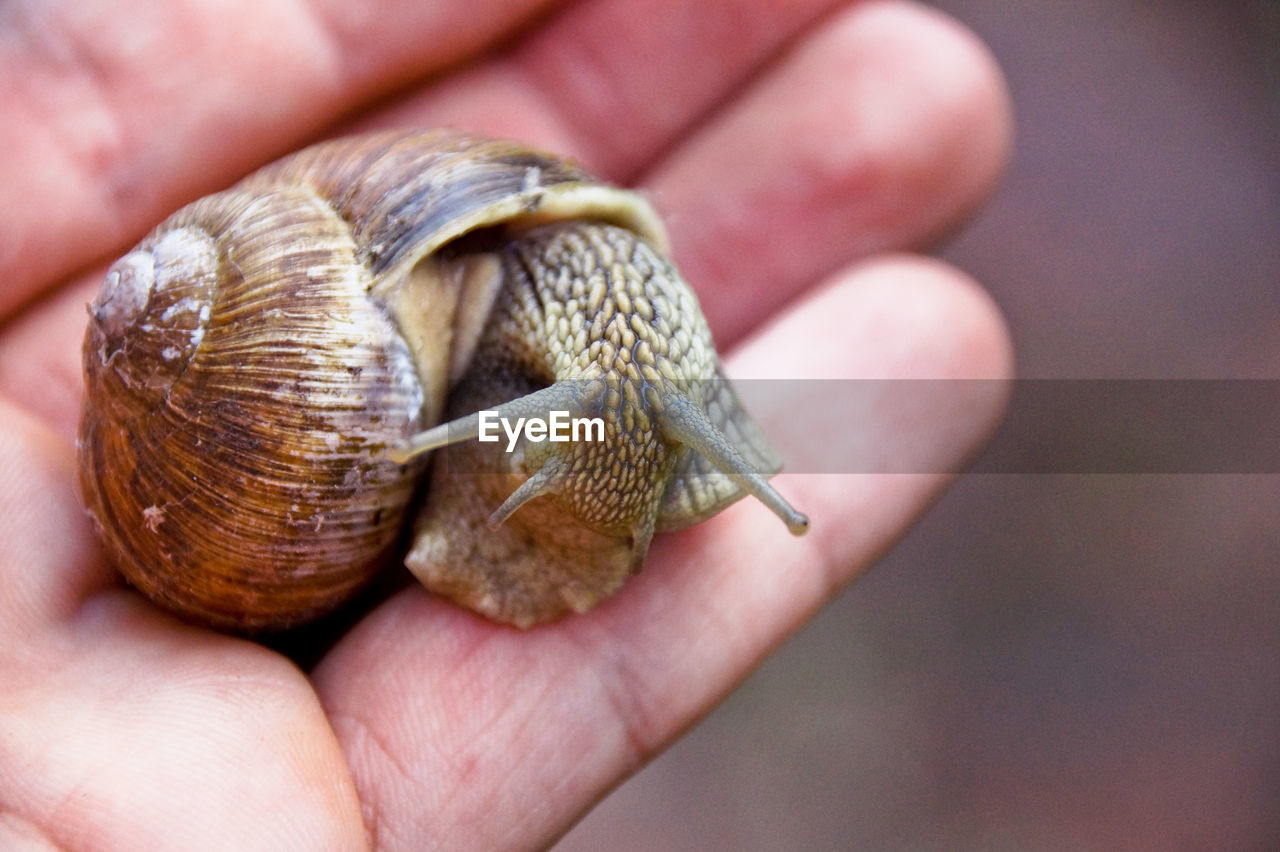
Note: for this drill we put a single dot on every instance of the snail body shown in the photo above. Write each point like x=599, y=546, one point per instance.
x=266, y=371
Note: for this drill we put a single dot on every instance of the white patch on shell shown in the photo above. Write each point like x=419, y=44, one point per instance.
x=170, y=352
x=184, y=254
x=124, y=292
x=399, y=396
x=182, y=306
x=383, y=377
x=153, y=517
x=197, y=333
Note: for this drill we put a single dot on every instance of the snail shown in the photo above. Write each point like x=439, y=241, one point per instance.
x=267, y=370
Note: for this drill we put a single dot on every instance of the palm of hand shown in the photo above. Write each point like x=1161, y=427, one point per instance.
x=121, y=728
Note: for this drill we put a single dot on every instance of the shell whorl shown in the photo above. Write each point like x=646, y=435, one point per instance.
x=150, y=314
x=407, y=194
x=247, y=389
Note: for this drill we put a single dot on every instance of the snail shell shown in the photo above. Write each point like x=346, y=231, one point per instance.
x=266, y=371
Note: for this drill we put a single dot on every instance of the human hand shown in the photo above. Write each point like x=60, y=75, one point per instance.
x=781, y=148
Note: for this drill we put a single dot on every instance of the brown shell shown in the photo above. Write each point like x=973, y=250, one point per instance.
x=248, y=488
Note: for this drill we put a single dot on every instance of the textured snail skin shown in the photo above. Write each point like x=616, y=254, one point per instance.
x=256, y=367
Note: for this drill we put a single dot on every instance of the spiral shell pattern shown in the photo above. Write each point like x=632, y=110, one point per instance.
x=243, y=386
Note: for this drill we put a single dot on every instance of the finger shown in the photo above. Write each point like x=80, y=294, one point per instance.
x=465, y=732
x=116, y=113
x=879, y=132
x=615, y=81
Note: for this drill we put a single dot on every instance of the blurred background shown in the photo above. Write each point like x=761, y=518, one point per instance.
x=1054, y=661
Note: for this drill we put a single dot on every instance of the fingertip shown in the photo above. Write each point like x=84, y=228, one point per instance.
x=893, y=317
x=914, y=118
x=898, y=366
x=949, y=325
x=879, y=131
x=968, y=98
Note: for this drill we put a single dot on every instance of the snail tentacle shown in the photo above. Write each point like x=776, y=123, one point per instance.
x=683, y=421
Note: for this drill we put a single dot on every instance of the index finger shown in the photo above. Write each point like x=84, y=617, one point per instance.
x=115, y=114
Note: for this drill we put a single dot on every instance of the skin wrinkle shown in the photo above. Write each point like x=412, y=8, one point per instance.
x=532, y=822
x=560, y=647
x=415, y=788
x=47, y=388
x=211, y=686
x=54, y=840
x=36, y=475
x=69, y=812
x=351, y=728
x=63, y=829
x=628, y=750
x=529, y=720
x=539, y=816
x=620, y=676
x=464, y=762
x=15, y=827
x=621, y=687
